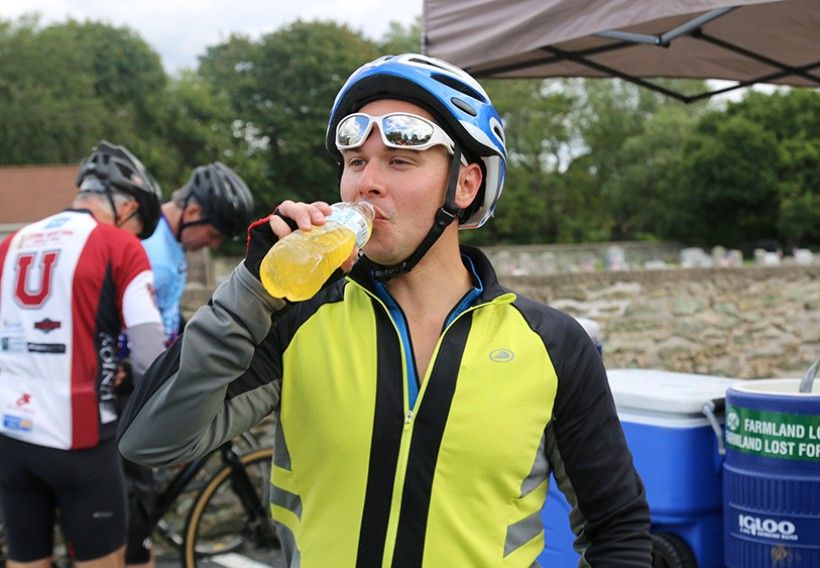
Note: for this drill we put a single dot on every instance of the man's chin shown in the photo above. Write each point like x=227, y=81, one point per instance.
x=384, y=260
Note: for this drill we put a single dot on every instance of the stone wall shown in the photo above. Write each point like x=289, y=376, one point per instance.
x=589, y=257
x=737, y=322
x=750, y=322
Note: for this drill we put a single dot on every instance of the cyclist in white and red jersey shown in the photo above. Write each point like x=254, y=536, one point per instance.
x=68, y=284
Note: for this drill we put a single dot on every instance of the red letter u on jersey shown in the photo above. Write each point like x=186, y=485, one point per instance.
x=28, y=295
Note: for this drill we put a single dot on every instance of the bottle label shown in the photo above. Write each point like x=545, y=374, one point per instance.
x=353, y=220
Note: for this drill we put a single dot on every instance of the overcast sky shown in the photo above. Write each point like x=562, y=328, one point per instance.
x=180, y=30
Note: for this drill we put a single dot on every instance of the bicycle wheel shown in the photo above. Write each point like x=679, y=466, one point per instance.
x=226, y=520
x=172, y=524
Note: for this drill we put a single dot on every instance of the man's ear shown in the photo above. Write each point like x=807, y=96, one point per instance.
x=128, y=208
x=469, y=182
x=192, y=212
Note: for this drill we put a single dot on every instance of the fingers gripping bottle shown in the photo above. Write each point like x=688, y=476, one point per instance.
x=297, y=265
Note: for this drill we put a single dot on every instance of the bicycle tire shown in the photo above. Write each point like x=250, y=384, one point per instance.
x=219, y=523
x=172, y=524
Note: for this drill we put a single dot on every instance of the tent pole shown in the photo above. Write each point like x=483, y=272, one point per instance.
x=664, y=39
x=614, y=72
x=799, y=71
x=693, y=24
x=749, y=82
x=501, y=69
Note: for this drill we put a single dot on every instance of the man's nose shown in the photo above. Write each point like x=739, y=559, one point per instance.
x=371, y=182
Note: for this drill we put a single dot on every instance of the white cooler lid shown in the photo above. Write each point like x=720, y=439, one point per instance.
x=655, y=391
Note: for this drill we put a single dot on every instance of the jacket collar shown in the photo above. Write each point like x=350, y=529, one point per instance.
x=483, y=268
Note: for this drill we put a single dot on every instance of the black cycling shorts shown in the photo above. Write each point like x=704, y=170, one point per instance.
x=86, y=485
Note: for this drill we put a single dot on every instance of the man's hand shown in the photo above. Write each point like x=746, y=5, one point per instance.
x=288, y=217
x=291, y=215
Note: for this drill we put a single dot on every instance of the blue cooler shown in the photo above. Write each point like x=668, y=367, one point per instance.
x=677, y=453
x=772, y=475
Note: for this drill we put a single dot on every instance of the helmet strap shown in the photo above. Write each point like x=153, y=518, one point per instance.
x=124, y=221
x=113, y=205
x=182, y=224
x=444, y=217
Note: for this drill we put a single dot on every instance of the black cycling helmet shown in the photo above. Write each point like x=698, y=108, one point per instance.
x=115, y=167
x=226, y=201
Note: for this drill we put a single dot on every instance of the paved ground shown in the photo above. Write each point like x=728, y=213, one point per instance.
x=171, y=560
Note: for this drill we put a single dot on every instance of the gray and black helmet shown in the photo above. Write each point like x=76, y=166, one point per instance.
x=226, y=201
x=117, y=168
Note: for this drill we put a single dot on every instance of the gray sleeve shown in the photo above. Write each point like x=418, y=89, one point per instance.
x=181, y=409
x=146, y=341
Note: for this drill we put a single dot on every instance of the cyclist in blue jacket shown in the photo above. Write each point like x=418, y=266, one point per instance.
x=215, y=204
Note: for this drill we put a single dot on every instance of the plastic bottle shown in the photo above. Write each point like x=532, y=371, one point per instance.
x=297, y=265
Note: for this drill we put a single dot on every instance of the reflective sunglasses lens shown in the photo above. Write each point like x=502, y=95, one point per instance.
x=351, y=131
x=403, y=130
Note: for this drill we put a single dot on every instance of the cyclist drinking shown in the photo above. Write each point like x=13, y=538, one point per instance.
x=420, y=405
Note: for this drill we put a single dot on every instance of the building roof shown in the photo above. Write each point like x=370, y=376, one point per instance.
x=29, y=193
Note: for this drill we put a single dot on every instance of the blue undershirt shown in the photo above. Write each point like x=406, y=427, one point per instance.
x=170, y=267
x=404, y=333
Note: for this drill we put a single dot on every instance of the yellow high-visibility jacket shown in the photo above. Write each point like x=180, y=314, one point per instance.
x=360, y=477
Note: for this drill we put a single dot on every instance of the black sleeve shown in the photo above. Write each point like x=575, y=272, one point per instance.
x=589, y=454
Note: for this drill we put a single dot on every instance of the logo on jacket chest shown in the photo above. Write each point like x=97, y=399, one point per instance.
x=502, y=355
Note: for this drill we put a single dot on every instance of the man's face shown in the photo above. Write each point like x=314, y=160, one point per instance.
x=128, y=220
x=405, y=186
x=198, y=237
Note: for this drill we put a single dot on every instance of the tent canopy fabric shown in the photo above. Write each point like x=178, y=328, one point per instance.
x=747, y=41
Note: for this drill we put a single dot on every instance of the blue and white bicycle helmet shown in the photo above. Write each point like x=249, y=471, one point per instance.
x=457, y=101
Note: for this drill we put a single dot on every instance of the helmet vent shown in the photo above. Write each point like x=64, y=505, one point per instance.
x=464, y=106
x=426, y=62
x=459, y=86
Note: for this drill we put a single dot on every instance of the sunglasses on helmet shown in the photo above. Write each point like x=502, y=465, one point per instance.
x=400, y=130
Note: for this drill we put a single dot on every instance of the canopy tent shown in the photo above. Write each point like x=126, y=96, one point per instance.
x=751, y=41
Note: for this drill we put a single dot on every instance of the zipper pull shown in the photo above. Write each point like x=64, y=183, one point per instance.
x=408, y=417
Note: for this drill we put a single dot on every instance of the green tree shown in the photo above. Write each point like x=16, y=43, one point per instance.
x=752, y=172
x=534, y=114
x=638, y=192
x=47, y=99
x=199, y=127
x=66, y=86
x=402, y=39
x=793, y=118
x=589, y=160
x=727, y=192
x=282, y=88
x=613, y=119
